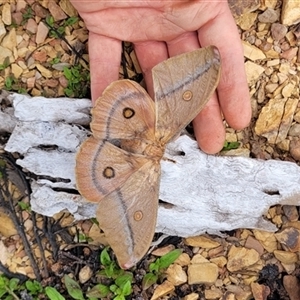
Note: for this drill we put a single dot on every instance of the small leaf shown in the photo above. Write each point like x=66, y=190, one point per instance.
x=13, y=283
x=67, y=73
x=154, y=266
x=230, y=145
x=73, y=288
x=53, y=294
x=148, y=280
x=119, y=297
x=105, y=258
x=127, y=289
x=122, y=279
x=113, y=288
x=98, y=291
x=166, y=260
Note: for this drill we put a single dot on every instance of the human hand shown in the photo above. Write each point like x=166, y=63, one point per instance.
x=159, y=30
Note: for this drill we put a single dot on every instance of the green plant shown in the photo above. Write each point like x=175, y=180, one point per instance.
x=28, y=14
x=58, y=30
x=78, y=81
x=8, y=287
x=158, y=267
x=230, y=145
x=5, y=64
x=24, y=206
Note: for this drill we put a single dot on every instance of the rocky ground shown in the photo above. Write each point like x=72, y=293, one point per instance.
x=43, y=51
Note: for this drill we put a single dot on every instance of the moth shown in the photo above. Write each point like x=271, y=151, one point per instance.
x=118, y=167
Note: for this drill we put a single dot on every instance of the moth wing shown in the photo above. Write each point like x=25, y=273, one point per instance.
x=128, y=215
x=102, y=168
x=182, y=87
x=124, y=111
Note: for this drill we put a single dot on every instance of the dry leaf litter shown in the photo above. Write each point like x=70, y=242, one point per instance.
x=244, y=264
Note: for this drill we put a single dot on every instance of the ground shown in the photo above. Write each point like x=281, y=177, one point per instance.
x=43, y=51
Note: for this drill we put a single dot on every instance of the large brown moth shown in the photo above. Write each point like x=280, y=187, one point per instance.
x=119, y=165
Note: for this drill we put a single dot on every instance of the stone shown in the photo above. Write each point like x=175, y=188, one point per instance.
x=176, y=275
x=163, y=250
x=239, y=8
x=42, y=32
x=290, y=238
x=240, y=258
x=253, y=243
x=198, y=259
x=253, y=71
x=268, y=16
x=183, y=260
x=10, y=40
x=31, y=26
x=85, y=274
x=285, y=256
x=220, y=261
x=294, y=130
x=260, y=291
x=6, y=14
x=56, y=12
x=192, y=296
x=7, y=227
x=16, y=70
x=202, y=242
x=4, y=52
x=251, y=52
x=2, y=30
x=278, y=31
x=291, y=211
x=203, y=273
x=292, y=286
x=68, y=8
x=290, y=13
x=295, y=149
x=290, y=53
x=45, y=72
x=162, y=290
x=213, y=294
x=288, y=90
x=246, y=21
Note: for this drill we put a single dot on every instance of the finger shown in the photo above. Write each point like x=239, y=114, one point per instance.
x=208, y=127
x=183, y=43
x=149, y=54
x=105, y=57
x=233, y=92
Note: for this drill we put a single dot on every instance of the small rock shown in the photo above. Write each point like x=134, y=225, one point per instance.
x=39, y=11
x=68, y=8
x=31, y=26
x=252, y=52
x=30, y=83
x=45, y=72
x=240, y=258
x=2, y=30
x=246, y=21
x=183, y=260
x=282, y=78
x=294, y=130
x=290, y=13
x=213, y=294
x=198, y=259
x=6, y=14
x=4, y=52
x=51, y=83
x=220, y=261
x=85, y=274
x=252, y=243
x=40, y=56
x=10, y=40
x=16, y=70
x=20, y=5
x=42, y=32
x=164, y=289
x=163, y=250
x=253, y=71
x=289, y=268
x=290, y=53
x=201, y=241
x=56, y=12
x=260, y=291
x=267, y=239
x=295, y=149
x=7, y=227
x=278, y=31
x=292, y=286
x=285, y=256
x=192, y=296
x=290, y=238
x=291, y=211
x=268, y=16
x=204, y=273
x=176, y=275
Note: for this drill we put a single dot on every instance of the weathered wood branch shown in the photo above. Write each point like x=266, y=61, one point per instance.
x=199, y=192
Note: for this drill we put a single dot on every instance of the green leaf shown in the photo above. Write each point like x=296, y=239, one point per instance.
x=34, y=287
x=68, y=73
x=98, y=291
x=73, y=288
x=123, y=279
x=148, y=280
x=105, y=258
x=53, y=294
x=166, y=260
x=3, y=281
x=71, y=21
x=127, y=289
x=3, y=291
x=24, y=206
x=154, y=266
x=119, y=297
x=113, y=288
x=13, y=283
x=230, y=145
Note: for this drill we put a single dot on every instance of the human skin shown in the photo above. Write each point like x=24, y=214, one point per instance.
x=162, y=29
